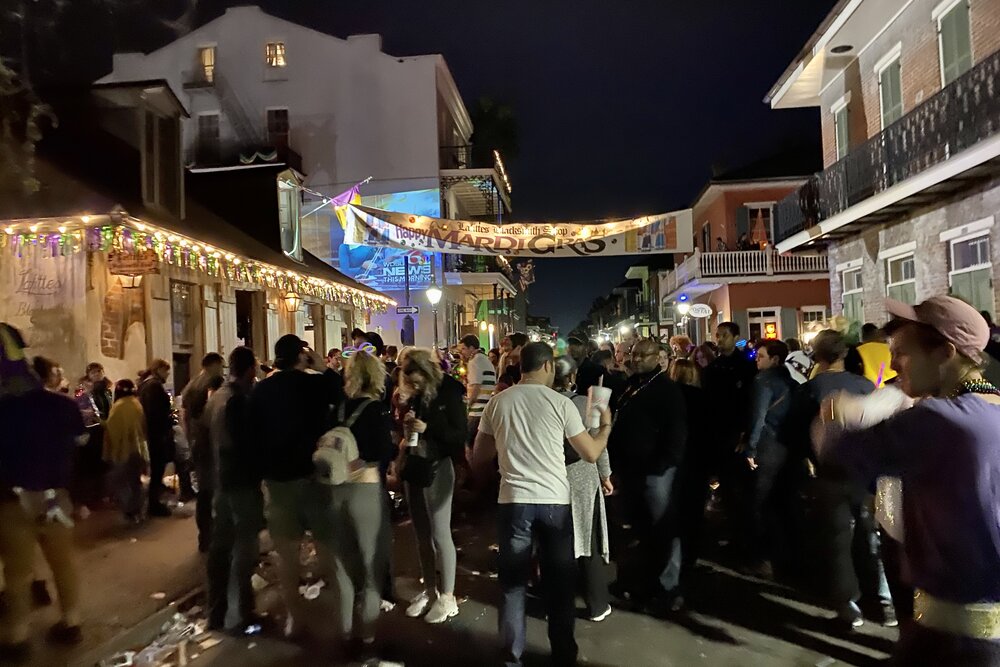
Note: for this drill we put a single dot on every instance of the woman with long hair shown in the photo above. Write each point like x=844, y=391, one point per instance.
x=588, y=484
x=434, y=435
x=356, y=506
x=126, y=450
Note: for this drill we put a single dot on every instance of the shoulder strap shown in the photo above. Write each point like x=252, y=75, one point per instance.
x=357, y=412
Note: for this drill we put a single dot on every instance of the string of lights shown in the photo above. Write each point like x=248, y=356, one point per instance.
x=134, y=237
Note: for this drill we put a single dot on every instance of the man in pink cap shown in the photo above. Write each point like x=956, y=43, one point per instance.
x=946, y=450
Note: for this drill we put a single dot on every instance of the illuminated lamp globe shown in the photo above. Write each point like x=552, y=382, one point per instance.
x=483, y=326
x=683, y=308
x=434, y=294
x=292, y=302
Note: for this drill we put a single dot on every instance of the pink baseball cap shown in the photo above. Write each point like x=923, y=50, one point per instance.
x=960, y=323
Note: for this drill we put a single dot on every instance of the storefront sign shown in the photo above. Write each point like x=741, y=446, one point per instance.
x=140, y=264
x=700, y=310
x=664, y=233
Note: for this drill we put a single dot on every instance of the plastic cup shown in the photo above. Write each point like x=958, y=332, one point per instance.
x=598, y=399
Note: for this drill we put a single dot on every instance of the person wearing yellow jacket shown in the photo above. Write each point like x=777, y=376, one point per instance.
x=126, y=450
x=875, y=356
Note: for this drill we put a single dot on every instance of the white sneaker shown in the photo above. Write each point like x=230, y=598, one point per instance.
x=419, y=604
x=387, y=605
x=443, y=608
x=600, y=617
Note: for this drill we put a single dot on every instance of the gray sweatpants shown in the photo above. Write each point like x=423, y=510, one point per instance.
x=357, y=514
x=430, y=509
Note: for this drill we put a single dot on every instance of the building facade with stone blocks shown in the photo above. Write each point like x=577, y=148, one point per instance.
x=909, y=98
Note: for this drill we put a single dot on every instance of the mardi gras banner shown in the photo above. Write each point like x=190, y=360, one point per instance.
x=663, y=233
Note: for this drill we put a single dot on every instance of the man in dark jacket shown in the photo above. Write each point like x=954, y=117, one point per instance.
x=159, y=430
x=238, y=501
x=845, y=521
x=728, y=380
x=193, y=401
x=646, y=446
x=289, y=411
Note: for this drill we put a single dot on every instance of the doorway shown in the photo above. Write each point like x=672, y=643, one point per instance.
x=764, y=324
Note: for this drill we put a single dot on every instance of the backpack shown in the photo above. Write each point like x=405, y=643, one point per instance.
x=337, y=456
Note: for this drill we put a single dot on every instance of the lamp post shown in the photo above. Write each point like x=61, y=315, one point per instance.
x=434, y=296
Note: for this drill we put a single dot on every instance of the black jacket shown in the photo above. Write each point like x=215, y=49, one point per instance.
x=805, y=404
x=372, y=430
x=650, y=431
x=226, y=419
x=288, y=413
x=727, y=382
x=447, y=422
x=159, y=417
x=770, y=402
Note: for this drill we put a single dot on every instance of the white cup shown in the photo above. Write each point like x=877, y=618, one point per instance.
x=598, y=399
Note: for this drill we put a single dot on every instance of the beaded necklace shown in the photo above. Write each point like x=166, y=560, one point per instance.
x=977, y=386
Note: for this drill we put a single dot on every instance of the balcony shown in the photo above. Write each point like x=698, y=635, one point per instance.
x=936, y=149
x=215, y=155
x=724, y=267
x=478, y=180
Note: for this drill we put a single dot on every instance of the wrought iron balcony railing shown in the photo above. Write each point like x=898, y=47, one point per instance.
x=959, y=116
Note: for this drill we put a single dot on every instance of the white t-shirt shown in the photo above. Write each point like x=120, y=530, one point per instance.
x=529, y=423
x=481, y=372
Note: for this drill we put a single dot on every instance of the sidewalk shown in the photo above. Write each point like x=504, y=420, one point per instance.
x=127, y=574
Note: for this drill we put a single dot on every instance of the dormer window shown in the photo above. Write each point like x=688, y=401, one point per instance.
x=288, y=216
x=275, y=54
x=162, y=185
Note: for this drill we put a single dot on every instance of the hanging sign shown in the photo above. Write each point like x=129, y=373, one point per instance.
x=139, y=264
x=700, y=310
x=663, y=233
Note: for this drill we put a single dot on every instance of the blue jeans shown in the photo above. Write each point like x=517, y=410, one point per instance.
x=519, y=525
x=653, y=504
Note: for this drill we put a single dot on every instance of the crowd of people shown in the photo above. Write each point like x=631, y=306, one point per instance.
x=872, y=463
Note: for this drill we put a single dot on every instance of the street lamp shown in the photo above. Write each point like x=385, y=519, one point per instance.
x=683, y=308
x=434, y=296
x=292, y=302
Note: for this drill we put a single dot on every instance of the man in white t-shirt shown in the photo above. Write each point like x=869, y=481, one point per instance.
x=525, y=427
x=481, y=378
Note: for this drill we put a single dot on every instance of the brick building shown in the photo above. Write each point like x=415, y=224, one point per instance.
x=909, y=97
x=115, y=260
x=735, y=270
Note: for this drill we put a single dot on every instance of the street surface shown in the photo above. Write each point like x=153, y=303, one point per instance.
x=129, y=574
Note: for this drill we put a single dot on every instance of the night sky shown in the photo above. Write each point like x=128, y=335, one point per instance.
x=624, y=108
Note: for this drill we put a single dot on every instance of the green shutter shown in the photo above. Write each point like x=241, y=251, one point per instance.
x=907, y=293
x=956, y=42
x=854, y=308
x=891, y=91
x=976, y=287
x=742, y=221
x=842, y=132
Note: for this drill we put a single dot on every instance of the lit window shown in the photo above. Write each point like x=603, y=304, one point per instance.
x=206, y=58
x=182, y=317
x=275, y=54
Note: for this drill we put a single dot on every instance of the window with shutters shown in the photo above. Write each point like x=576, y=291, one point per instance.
x=853, y=295
x=901, y=279
x=971, y=275
x=841, y=132
x=954, y=39
x=890, y=89
x=161, y=163
x=277, y=128
x=208, y=137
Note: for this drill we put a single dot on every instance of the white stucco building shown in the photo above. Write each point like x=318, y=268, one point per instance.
x=339, y=111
